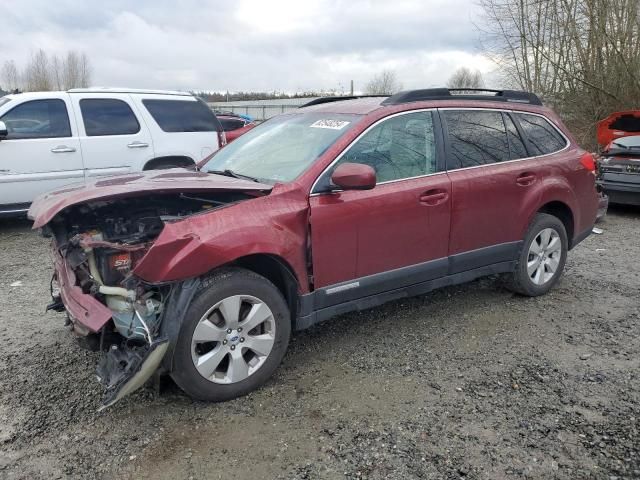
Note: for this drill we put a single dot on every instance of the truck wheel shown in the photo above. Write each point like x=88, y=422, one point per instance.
x=542, y=258
x=234, y=335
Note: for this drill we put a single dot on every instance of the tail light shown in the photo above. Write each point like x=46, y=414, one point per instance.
x=588, y=162
x=222, y=139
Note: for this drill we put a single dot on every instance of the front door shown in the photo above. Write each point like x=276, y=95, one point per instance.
x=397, y=234
x=40, y=153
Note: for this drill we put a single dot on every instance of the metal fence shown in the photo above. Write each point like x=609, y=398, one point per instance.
x=260, y=110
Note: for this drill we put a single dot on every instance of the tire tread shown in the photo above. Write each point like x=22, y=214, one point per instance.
x=517, y=281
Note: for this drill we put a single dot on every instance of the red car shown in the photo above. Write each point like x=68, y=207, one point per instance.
x=234, y=125
x=339, y=206
x=619, y=163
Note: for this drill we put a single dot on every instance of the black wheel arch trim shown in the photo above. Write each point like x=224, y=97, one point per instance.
x=580, y=237
x=152, y=164
x=172, y=316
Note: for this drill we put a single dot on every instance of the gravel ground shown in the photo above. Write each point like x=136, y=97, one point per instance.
x=466, y=382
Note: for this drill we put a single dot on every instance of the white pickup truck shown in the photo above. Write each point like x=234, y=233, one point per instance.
x=51, y=139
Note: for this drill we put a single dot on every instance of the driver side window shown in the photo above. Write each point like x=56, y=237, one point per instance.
x=38, y=119
x=400, y=147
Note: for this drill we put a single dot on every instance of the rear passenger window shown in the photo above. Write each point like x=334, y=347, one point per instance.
x=516, y=145
x=476, y=137
x=543, y=137
x=181, y=115
x=108, y=116
x=38, y=119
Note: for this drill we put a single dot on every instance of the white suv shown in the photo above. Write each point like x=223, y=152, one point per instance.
x=51, y=139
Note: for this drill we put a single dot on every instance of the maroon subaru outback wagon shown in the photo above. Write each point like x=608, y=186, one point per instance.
x=341, y=205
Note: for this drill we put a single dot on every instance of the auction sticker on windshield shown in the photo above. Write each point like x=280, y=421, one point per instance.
x=332, y=124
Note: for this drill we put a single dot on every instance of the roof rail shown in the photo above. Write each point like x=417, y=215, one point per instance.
x=463, y=93
x=321, y=100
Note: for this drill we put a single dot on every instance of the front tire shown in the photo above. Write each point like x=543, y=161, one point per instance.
x=234, y=336
x=542, y=258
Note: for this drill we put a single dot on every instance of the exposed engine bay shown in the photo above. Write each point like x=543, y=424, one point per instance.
x=102, y=242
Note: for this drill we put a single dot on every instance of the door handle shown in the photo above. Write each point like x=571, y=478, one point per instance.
x=526, y=179
x=63, y=149
x=138, y=145
x=434, y=197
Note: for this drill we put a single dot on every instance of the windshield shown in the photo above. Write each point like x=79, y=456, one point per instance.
x=283, y=147
x=625, y=145
x=631, y=143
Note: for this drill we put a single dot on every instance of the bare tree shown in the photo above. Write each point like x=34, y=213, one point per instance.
x=385, y=83
x=37, y=72
x=10, y=77
x=582, y=56
x=84, y=71
x=464, y=77
x=71, y=70
x=76, y=70
x=57, y=73
x=46, y=73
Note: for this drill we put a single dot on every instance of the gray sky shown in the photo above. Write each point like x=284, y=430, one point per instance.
x=249, y=44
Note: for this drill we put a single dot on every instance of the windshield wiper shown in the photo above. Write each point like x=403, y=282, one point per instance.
x=620, y=145
x=230, y=173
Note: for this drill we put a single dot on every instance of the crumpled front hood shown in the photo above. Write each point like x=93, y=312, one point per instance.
x=48, y=205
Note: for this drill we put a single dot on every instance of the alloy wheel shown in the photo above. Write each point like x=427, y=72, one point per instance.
x=544, y=256
x=233, y=339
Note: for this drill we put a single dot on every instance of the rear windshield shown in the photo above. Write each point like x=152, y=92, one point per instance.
x=182, y=115
x=230, y=124
x=283, y=147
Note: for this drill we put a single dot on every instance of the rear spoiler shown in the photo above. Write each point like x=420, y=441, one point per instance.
x=618, y=125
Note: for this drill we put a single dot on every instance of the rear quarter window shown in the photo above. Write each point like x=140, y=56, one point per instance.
x=542, y=137
x=181, y=115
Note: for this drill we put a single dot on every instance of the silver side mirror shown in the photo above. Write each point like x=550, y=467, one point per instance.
x=3, y=130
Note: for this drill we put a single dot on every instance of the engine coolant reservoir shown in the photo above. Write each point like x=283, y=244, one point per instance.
x=127, y=321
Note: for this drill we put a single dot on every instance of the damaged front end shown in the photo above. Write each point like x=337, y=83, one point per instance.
x=96, y=246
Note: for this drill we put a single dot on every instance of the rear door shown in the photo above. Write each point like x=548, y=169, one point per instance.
x=368, y=242
x=113, y=137
x=490, y=177
x=41, y=152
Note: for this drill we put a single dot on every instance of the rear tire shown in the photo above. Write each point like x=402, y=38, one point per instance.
x=542, y=258
x=233, y=337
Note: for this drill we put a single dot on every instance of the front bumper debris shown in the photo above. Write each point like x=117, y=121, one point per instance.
x=82, y=308
x=122, y=370
x=125, y=366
